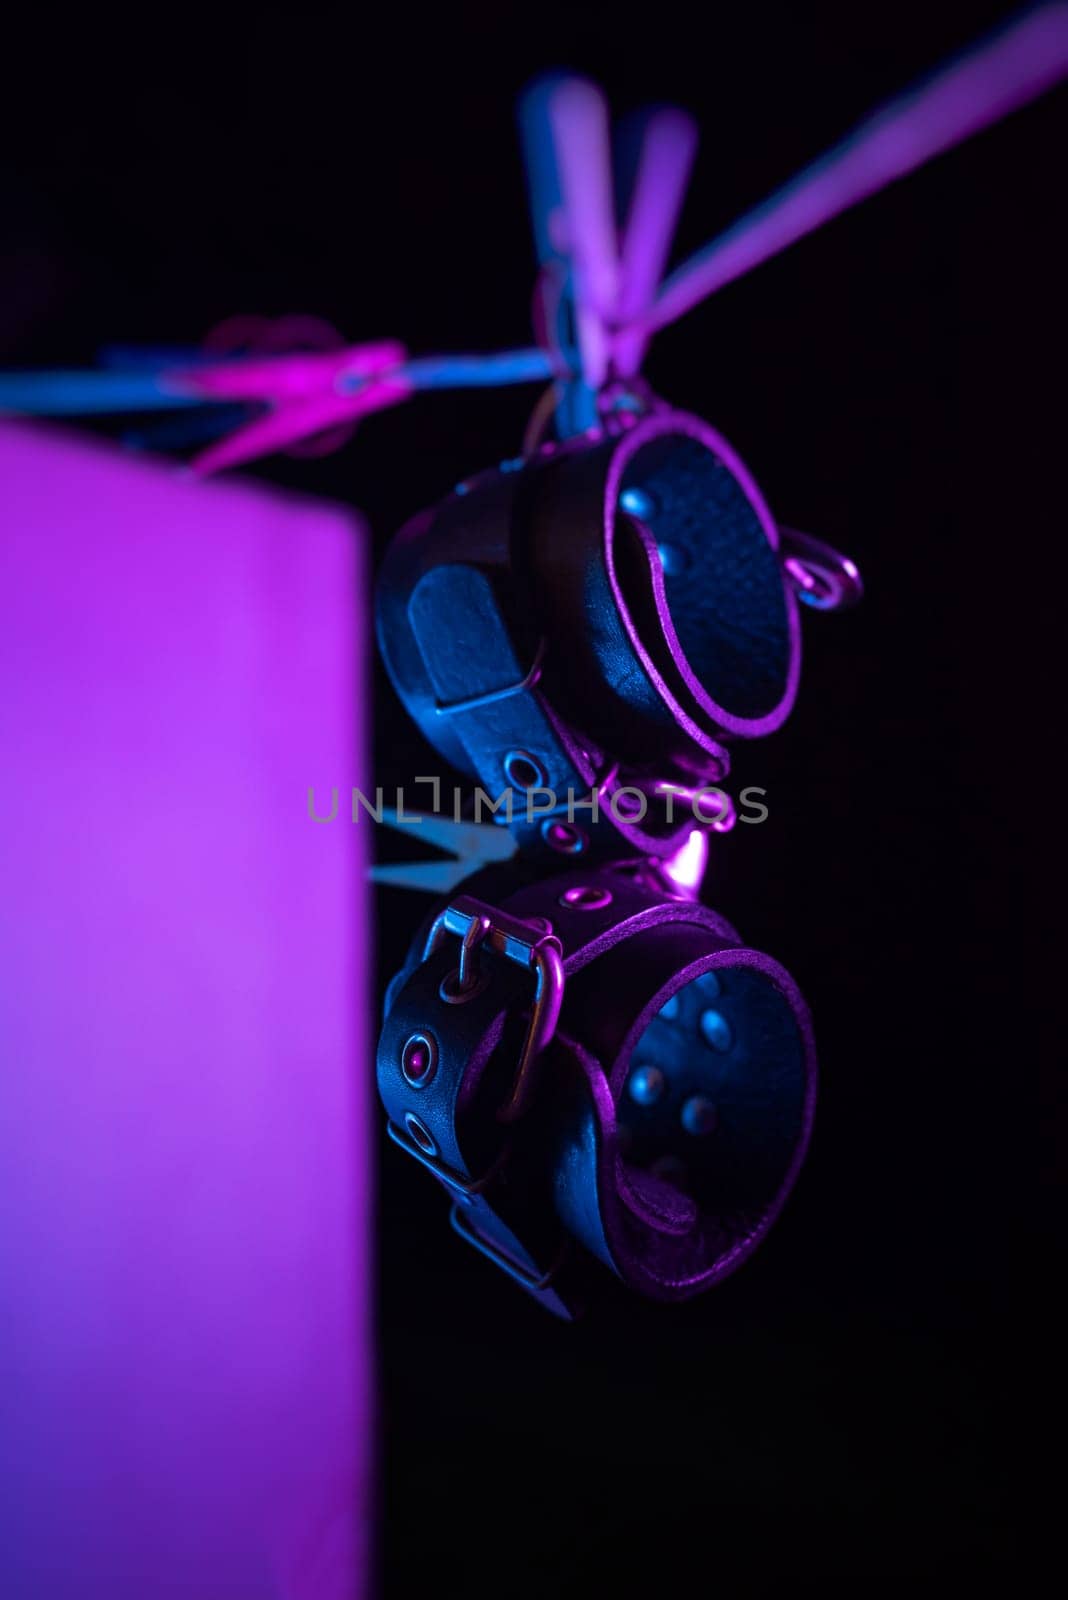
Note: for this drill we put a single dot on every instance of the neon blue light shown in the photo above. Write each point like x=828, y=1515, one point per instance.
x=475, y=372
x=60, y=394
x=150, y=358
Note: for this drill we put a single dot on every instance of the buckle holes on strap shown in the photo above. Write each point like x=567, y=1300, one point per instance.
x=586, y=897
x=419, y=1060
x=523, y=770
x=420, y=1134
x=564, y=837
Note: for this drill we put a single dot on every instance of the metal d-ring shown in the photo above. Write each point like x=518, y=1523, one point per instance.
x=821, y=576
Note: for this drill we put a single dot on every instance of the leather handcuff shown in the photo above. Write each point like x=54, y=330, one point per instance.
x=633, y=1084
x=587, y=1058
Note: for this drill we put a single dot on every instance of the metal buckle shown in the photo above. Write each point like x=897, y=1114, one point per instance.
x=478, y=925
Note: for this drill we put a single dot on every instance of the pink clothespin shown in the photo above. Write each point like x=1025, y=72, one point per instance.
x=668, y=148
x=306, y=393
x=578, y=120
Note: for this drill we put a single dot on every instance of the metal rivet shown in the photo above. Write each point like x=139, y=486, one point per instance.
x=585, y=897
x=638, y=503
x=645, y=1085
x=419, y=1060
x=564, y=836
x=420, y=1134
x=524, y=770
x=716, y=1030
x=673, y=558
x=699, y=1115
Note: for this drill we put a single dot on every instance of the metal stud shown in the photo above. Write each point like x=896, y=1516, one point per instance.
x=673, y=559
x=646, y=1085
x=716, y=1030
x=638, y=503
x=699, y=1115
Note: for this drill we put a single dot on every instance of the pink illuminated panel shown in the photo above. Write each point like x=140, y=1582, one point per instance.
x=184, y=1187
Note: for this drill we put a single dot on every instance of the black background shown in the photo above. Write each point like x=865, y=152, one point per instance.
x=836, y=1409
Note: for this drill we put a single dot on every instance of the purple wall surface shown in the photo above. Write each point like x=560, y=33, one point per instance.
x=185, y=1384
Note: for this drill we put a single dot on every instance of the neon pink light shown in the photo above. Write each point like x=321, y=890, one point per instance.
x=295, y=420
x=304, y=392
x=288, y=377
x=668, y=150
x=998, y=77
x=185, y=1183
x=686, y=868
x=578, y=116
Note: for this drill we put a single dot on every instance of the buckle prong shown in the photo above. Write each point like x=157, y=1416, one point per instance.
x=476, y=931
x=477, y=926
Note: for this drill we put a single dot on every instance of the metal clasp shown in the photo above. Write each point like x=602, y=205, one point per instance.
x=479, y=926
